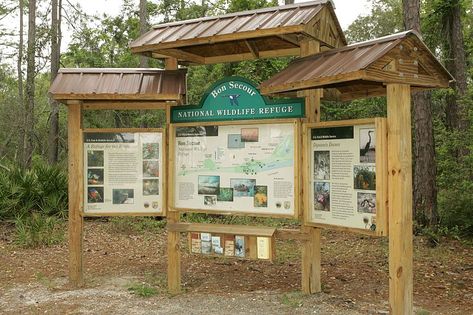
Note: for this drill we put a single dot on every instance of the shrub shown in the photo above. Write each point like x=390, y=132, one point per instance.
x=38, y=230
x=41, y=189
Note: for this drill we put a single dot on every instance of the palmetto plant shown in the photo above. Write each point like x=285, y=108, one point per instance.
x=41, y=189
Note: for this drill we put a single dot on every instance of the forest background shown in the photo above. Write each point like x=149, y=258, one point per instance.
x=33, y=134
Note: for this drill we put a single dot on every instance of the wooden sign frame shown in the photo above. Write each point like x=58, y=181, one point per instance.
x=381, y=159
x=296, y=185
x=162, y=178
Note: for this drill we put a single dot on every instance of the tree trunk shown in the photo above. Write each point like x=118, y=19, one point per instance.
x=425, y=169
x=30, y=88
x=21, y=96
x=143, y=59
x=53, y=154
x=455, y=111
x=143, y=29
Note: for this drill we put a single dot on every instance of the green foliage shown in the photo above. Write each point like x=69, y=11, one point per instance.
x=243, y=5
x=152, y=284
x=385, y=18
x=143, y=290
x=293, y=299
x=357, y=109
x=41, y=189
x=455, y=175
x=39, y=230
x=135, y=225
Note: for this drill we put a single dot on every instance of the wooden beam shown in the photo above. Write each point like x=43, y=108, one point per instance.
x=252, y=47
x=249, y=56
x=313, y=83
x=221, y=229
x=291, y=234
x=171, y=64
x=104, y=105
x=181, y=54
x=75, y=192
x=290, y=38
x=378, y=75
x=400, y=199
x=363, y=93
x=118, y=97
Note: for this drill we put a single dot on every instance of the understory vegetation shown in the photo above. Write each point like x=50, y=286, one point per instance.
x=35, y=201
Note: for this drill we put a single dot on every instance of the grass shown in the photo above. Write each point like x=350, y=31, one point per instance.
x=39, y=230
x=239, y=220
x=143, y=290
x=44, y=280
x=135, y=225
x=287, y=251
x=293, y=299
x=421, y=311
x=152, y=284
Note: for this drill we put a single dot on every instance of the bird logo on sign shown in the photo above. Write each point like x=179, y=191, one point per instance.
x=233, y=99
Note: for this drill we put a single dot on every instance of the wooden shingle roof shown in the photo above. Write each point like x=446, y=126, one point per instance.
x=267, y=32
x=362, y=69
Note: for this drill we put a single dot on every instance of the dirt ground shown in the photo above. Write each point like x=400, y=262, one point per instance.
x=354, y=275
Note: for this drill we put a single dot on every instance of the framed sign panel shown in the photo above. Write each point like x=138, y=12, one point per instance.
x=346, y=175
x=235, y=168
x=124, y=171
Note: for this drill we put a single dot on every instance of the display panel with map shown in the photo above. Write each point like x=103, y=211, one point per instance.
x=247, y=168
x=347, y=168
x=123, y=172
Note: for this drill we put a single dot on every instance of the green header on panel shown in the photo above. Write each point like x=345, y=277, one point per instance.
x=235, y=98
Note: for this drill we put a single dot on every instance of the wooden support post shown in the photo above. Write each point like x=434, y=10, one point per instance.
x=75, y=190
x=174, y=255
x=400, y=199
x=311, y=260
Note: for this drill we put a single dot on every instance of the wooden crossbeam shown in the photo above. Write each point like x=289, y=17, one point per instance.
x=181, y=54
x=252, y=47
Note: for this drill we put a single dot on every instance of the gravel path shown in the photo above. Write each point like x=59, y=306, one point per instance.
x=113, y=297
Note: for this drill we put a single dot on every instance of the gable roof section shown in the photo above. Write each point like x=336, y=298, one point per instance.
x=118, y=84
x=267, y=32
x=361, y=69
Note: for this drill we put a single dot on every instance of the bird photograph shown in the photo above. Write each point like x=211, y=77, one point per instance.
x=367, y=146
x=94, y=194
x=321, y=164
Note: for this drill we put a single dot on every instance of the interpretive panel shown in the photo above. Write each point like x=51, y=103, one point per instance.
x=235, y=168
x=123, y=172
x=343, y=175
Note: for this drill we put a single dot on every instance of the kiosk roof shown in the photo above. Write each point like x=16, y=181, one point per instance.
x=262, y=33
x=118, y=84
x=362, y=69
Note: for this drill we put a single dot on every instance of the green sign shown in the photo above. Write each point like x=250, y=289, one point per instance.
x=235, y=98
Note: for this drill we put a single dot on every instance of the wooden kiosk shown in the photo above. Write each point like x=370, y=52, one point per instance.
x=300, y=29
x=106, y=89
x=392, y=66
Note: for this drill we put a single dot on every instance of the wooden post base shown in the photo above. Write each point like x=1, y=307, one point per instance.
x=174, y=256
x=311, y=282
